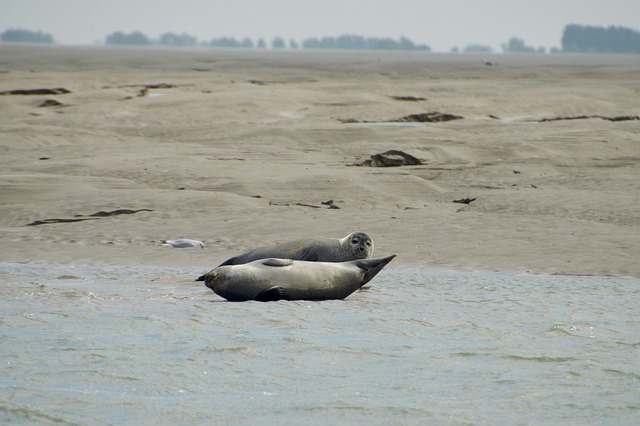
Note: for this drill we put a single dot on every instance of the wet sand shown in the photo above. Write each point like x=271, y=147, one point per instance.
x=240, y=149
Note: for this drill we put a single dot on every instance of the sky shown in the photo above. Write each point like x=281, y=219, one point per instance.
x=441, y=24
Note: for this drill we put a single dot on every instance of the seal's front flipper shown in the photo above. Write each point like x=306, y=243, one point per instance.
x=277, y=262
x=272, y=294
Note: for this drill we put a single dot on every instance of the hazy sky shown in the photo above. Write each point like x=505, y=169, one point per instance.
x=441, y=24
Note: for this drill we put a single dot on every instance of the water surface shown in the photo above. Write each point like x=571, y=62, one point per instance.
x=145, y=345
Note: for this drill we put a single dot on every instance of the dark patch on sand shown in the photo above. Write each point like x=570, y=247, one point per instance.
x=425, y=117
x=391, y=158
x=144, y=88
x=49, y=221
x=464, y=200
x=329, y=204
x=267, y=82
x=153, y=86
x=114, y=213
x=93, y=216
x=585, y=117
x=408, y=98
x=50, y=103
x=56, y=91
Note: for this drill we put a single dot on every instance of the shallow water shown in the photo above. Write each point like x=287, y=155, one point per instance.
x=144, y=345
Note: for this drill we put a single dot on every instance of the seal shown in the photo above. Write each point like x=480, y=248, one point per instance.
x=268, y=280
x=356, y=245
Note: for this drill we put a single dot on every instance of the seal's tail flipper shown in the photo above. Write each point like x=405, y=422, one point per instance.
x=201, y=277
x=373, y=266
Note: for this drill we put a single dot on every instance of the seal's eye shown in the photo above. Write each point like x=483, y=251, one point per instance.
x=354, y=241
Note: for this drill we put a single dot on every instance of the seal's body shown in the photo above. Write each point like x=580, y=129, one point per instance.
x=284, y=279
x=356, y=245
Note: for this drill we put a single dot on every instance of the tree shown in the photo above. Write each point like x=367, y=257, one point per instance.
x=278, y=43
x=231, y=42
x=247, y=43
x=172, y=39
x=477, y=48
x=293, y=44
x=356, y=42
x=517, y=45
x=25, y=36
x=589, y=39
x=135, y=38
x=262, y=44
x=225, y=42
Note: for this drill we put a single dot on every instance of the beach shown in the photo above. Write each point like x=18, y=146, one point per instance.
x=246, y=148
x=488, y=181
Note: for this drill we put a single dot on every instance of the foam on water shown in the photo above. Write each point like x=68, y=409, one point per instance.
x=145, y=345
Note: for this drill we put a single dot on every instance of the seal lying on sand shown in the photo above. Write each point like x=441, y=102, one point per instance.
x=357, y=245
x=267, y=280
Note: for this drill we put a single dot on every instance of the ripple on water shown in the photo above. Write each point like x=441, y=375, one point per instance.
x=122, y=344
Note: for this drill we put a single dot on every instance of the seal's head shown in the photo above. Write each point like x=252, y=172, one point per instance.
x=359, y=245
x=210, y=278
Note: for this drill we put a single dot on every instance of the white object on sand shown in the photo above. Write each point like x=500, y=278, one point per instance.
x=183, y=243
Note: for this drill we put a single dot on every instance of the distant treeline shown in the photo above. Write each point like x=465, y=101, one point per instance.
x=356, y=42
x=576, y=38
x=517, y=45
x=514, y=45
x=588, y=39
x=341, y=42
x=25, y=36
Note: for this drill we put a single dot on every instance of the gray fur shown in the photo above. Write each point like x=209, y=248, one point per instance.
x=357, y=245
x=283, y=279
